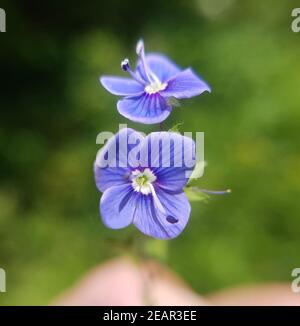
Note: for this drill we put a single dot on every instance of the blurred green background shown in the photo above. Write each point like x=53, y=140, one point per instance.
x=53, y=107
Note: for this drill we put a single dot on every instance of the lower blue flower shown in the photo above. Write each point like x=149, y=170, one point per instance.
x=142, y=180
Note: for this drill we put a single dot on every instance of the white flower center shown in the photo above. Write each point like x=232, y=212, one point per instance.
x=155, y=87
x=142, y=181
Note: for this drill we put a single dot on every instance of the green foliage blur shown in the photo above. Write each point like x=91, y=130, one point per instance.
x=53, y=107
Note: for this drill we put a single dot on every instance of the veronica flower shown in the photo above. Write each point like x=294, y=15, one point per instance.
x=153, y=84
x=142, y=180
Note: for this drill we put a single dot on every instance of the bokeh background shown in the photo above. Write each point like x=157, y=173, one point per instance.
x=53, y=107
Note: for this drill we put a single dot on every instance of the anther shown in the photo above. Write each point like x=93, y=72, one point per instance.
x=125, y=65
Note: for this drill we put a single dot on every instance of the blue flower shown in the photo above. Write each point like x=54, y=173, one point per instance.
x=142, y=180
x=154, y=82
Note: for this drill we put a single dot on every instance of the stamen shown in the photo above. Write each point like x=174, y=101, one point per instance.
x=139, y=47
x=125, y=65
x=157, y=202
x=140, y=51
x=169, y=218
x=213, y=192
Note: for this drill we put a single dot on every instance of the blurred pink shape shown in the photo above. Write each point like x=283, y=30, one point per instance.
x=125, y=282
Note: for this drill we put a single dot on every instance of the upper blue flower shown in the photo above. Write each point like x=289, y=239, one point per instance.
x=155, y=80
x=142, y=180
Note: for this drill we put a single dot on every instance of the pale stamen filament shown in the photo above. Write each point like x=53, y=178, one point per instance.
x=126, y=67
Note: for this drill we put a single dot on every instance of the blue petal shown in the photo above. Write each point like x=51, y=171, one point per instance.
x=109, y=177
x=162, y=66
x=167, y=224
x=145, y=108
x=184, y=85
x=158, y=64
x=117, y=206
x=171, y=157
x=121, y=86
x=114, y=162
